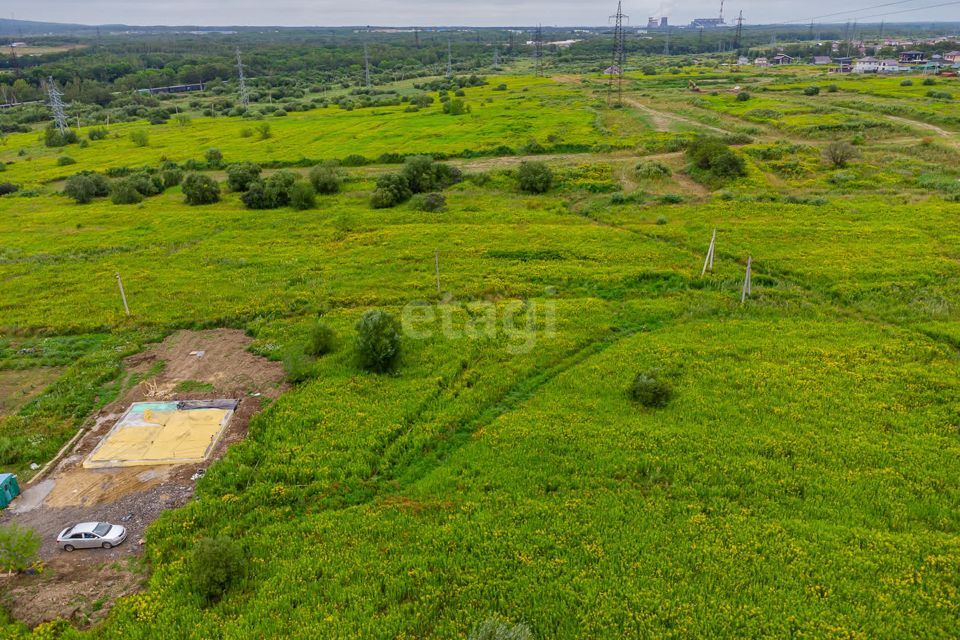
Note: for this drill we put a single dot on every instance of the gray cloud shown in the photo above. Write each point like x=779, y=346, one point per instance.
x=425, y=12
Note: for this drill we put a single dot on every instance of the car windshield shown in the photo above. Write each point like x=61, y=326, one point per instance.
x=101, y=529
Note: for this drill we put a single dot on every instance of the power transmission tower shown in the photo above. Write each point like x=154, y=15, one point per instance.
x=449, y=59
x=56, y=105
x=700, y=41
x=16, y=62
x=538, y=49
x=666, y=43
x=242, y=83
x=619, y=57
x=366, y=65
x=496, y=57
x=736, y=40
x=416, y=37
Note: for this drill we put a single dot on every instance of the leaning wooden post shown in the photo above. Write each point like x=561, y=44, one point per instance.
x=123, y=296
x=747, y=282
x=436, y=262
x=708, y=263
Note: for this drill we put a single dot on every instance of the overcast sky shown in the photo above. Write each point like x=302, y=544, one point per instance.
x=445, y=12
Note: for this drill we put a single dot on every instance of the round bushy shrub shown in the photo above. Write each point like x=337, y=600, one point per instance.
x=64, y=161
x=6, y=188
x=239, y=176
x=199, y=189
x=302, y=196
x=255, y=197
x=84, y=187
x=213, y=158
x=216, y=564
x=378, y=341
x=906, y=83
x=322, y=339
x=650, y=390
x=125, y=192
x=147, y=184
x=279, y=188
x=392, y=189
x=326, y=179
x=171, y=177
x=811, y=91
x=652, y=170
x=429, y=202
x=743, y=96
x=840, y=153
x=929, y=82
x=535, y=177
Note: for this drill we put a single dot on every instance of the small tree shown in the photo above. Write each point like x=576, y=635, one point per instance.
x=650, y=390
x=84, y=187
x=255, y=197
x=840, y=153
x=199, y=189
x=322, y=339
x=239, y=176
x=392, y=189
x=263, y=129
x=378, y=341
x=215, y=565
x=18, y=547
x=53, y=138
x=535, y=177
x=326, y=179
x=279, y=188
x=302, y=196
x=214, y=158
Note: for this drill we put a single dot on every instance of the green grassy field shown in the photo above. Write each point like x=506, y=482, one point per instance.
x=802, y=483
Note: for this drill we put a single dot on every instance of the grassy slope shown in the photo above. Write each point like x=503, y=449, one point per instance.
x=803, y=482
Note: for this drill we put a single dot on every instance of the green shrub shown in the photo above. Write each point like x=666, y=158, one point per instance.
x=456, y=107
x=255, y=197
x=6, y=188
x=171, y=177
x=743, y=96
x=392, y=189
x=423, y=174
x=929, y=82
x=19, y=547
x=354, y=160
x=298, y=366
x=940, y=95
x=811, y=91
x=216, y=564
x=65, y=161
x=53, y=138
x=652, y=170
x=649, y=390
x=239, y=176
x=146, y=183
x=535, y=177
x=429, y=202
x=832, y=88
x=714, y=157
x=906, y=83
x=263, y=130
x=377, y=342
x=199, y=189
x=302, y=196
x=213, y=158
x=125, y=192
x=279, y=188
x=84, y=187
x=100, y=133
x=322, y=339
x=326, y=179
x=140, y=138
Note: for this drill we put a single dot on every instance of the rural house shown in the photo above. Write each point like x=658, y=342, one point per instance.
x=890, y=66
x=953, y=56
x=912, y=57
x=866, y=65
x=782, y=58
x=822, y=60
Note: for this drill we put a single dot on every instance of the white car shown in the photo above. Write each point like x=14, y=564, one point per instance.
x=91, y=535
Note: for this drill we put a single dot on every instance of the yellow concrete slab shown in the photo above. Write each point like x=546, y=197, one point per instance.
x=160, y=437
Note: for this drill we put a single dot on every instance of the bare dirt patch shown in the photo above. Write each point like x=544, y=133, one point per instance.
x=81, y=585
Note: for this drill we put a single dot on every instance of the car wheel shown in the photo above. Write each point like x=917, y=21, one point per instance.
x=107, y=545
x=68, y=547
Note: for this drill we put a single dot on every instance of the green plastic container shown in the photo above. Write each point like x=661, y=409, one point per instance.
x=9, y=489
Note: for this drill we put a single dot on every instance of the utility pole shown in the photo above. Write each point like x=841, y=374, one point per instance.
x=242, y=84
x=56, y=105
x=747, y=282
x=123, y=296
x=619, y=57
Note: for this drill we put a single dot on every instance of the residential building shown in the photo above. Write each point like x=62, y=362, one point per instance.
x=868, y=64
x=782, y=58
x=890, y=66
x=953, y=56
x=822, y=60
x=912, y=57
